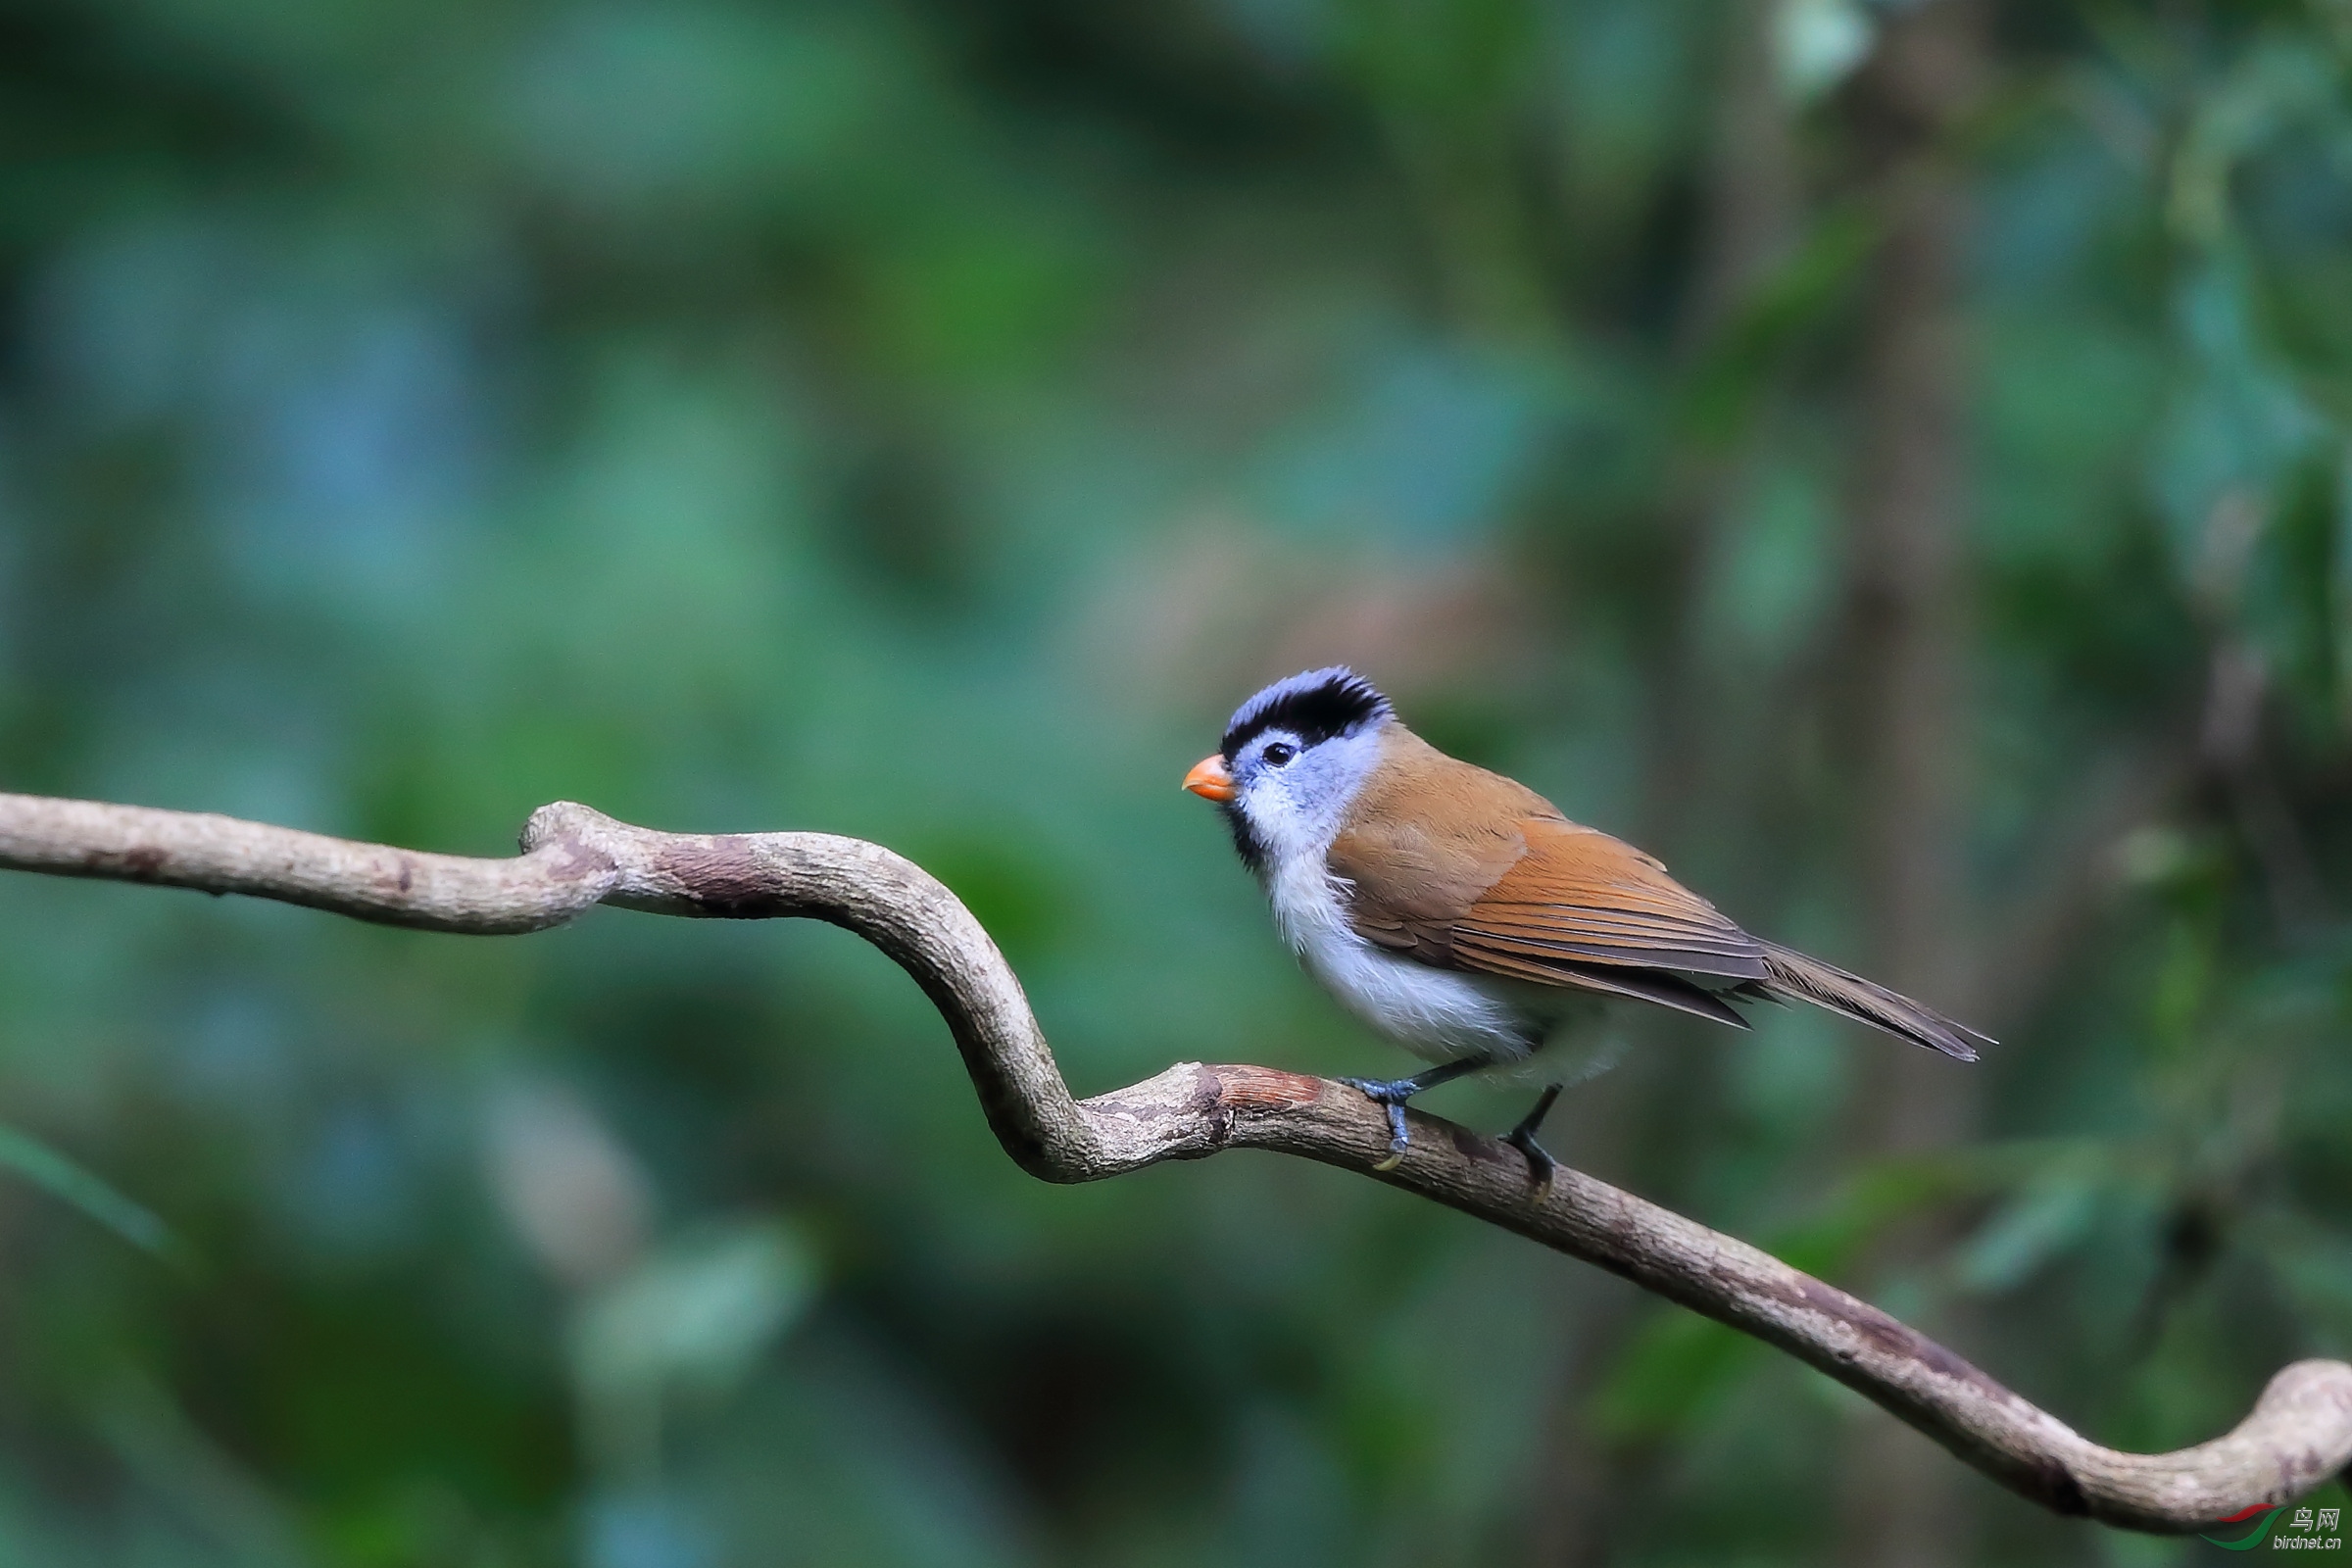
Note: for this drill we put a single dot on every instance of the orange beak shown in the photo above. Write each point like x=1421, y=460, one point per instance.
x=1209, y=781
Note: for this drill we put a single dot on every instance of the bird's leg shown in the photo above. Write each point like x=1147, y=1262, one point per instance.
x=1394, y=1091
x=1540, y=1165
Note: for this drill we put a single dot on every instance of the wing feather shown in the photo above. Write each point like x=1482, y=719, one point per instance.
x=1580, y=897
x=1498, y=882
x=1640, y=985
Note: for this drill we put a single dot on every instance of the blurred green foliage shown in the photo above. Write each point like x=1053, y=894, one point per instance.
x=925, y=421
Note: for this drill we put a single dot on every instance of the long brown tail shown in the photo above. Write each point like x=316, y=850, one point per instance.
x=1790, y=974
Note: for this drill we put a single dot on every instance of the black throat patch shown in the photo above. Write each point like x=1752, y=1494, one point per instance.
x=1245, y=842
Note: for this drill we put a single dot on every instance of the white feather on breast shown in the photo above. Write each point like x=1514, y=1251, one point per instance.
x=1435, y=1013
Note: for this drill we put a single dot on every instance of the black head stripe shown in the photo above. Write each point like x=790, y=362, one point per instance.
x=1314, y=707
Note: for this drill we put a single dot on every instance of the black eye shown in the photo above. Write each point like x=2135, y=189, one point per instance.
x=1280, y=752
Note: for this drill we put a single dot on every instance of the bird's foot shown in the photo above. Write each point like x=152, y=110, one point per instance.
x=1394, y=1091
x=1540, y=1165
x=1385, y=1091
x=1391, y=1093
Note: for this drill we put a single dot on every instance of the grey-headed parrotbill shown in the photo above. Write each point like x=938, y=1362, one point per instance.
x=1463, y=916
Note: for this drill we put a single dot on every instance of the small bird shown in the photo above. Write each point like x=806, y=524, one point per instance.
x=1462, y=915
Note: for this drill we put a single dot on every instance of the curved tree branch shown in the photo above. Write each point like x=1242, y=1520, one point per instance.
x=2300, y=1433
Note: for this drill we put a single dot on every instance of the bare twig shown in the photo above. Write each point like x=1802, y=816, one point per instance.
x=2300, y=1432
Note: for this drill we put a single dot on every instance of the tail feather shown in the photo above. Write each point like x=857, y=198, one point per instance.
x=1792, y=975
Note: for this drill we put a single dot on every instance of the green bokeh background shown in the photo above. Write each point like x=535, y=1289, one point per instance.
x=925, y=421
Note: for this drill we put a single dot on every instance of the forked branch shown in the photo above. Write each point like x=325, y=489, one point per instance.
x=2300, y=1433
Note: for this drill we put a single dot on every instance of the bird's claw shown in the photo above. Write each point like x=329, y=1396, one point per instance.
x=1385, y=1091
x=1540, y=1165
x=1390, y=1093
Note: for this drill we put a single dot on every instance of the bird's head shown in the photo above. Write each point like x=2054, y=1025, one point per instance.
x=1292, y=758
